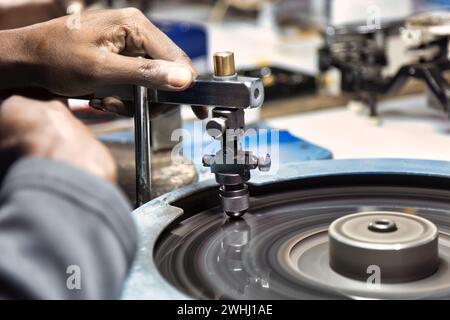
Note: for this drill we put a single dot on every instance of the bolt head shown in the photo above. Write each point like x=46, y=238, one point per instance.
x=216, y=127
x=264, y=163
x=207, y=160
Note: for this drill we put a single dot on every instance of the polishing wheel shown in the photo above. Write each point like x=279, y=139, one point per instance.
x=322, y=229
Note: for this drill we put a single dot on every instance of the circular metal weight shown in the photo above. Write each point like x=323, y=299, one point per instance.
x=402, y=247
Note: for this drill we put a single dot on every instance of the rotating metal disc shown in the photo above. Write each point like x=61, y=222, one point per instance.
x=280, y=248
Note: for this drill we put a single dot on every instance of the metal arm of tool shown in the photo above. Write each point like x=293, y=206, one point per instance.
x=235, y=93
x=229, y=94
x=231, y=164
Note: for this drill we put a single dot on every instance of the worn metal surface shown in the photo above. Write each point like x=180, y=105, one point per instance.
x=146, y=282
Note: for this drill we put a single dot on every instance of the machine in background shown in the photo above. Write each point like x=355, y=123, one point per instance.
x=359, y=52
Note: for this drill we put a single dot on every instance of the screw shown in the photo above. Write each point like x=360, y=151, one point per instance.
x=264, y=163
x=216, y=127
x=207, y=160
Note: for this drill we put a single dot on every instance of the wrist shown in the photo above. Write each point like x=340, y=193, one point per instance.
x=18, y=60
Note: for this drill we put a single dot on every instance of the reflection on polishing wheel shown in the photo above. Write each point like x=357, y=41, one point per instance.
x=280, y=249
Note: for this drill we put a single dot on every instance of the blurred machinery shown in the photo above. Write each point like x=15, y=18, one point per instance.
x=359, y=52
x=321, y=13
x=283, y=83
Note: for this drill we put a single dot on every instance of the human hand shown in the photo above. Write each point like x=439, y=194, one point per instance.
x=73, y=59
x=103, y=51
x=16, y=14
x=48, y=130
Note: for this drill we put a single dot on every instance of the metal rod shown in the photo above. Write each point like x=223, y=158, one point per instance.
x=235, y=93
x=142, y=146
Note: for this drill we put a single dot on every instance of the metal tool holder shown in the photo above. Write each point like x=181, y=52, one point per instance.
x=229, y=94
x=231, y=164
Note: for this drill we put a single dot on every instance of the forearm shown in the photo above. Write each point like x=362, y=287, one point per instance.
x=56, y=220
x=18, y=61
x=16, y=14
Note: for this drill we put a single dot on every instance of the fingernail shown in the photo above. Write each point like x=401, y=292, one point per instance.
x=97, y=106
x=179, y=76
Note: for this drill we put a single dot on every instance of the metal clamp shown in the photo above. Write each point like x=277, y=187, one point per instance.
x=229, y=94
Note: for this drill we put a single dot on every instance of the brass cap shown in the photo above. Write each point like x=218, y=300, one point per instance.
x=224, y=64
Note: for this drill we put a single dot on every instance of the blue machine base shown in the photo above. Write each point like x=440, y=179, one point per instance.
x=291, y=148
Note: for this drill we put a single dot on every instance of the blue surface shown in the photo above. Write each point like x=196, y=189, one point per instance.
x=437, y=4
x=192, y=38
x=355, y=167
x=119, y=136
x=196, y=143
x=290, y=148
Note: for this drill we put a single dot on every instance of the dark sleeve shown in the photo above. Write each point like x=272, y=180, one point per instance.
x=64, y=233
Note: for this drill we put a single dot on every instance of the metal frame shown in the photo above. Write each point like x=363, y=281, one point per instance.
x=235, y=94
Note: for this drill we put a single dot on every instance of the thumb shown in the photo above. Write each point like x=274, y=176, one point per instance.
x=155, y=74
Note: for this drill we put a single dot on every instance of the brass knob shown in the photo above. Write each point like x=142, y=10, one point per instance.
x=224, y=64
